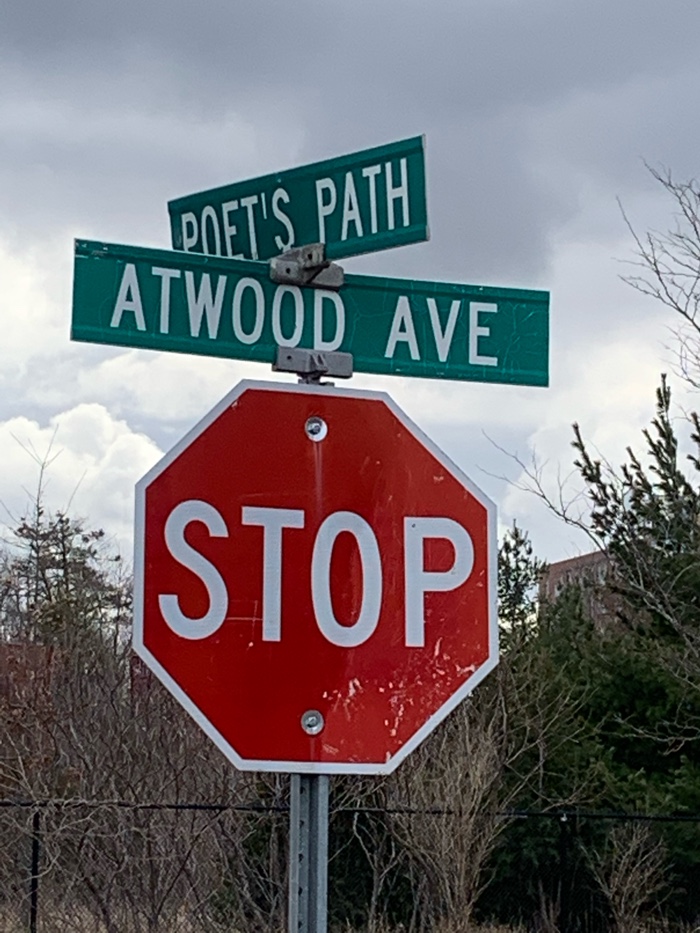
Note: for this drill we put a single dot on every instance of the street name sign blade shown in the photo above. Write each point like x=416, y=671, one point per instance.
x=357, y=203
x=191, y=303
x=315, y=581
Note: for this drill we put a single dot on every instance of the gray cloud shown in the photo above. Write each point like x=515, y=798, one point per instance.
x=537, y=117
x=111, y=109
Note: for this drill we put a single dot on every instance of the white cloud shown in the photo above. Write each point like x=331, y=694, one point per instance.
x=91, y=462
x=170, y=387
x=28, y=311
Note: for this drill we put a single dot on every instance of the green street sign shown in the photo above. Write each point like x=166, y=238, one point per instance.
x=357, y=203
x=190, y=303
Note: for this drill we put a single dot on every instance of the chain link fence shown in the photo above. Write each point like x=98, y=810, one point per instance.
x=117, y=867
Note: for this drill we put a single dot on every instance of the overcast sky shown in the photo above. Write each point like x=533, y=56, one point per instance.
x=538, y=117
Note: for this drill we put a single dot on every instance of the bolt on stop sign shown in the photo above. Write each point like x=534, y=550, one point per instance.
x=315, y=580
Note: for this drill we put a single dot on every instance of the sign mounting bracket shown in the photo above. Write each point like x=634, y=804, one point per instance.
x=311, y=365
x=307, y=265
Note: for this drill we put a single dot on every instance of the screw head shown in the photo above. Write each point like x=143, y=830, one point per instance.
x=316, y=428
x=312, y=722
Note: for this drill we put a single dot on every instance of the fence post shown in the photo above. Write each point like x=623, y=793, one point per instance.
x=564, y=875
x=34, y=877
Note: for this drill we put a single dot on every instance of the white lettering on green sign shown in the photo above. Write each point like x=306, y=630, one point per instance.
x=205, y=299
x=232, y=230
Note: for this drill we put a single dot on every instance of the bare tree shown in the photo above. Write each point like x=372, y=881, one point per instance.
x=669, y=267
x=141, y=820
x=631, y=870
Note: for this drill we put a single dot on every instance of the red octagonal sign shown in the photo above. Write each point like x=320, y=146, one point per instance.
x=315, y=580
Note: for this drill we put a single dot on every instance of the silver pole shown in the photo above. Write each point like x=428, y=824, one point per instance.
x=308, y=853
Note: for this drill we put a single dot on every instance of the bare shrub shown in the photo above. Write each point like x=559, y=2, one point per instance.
x=631, y=872
x=82, y=724
x=459, y=783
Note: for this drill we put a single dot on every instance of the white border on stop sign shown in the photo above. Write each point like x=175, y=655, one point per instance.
x=311, y=767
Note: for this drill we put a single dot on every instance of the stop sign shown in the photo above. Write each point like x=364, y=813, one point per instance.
x=315, y=580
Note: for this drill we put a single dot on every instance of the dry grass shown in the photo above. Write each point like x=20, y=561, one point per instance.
x=59, y=919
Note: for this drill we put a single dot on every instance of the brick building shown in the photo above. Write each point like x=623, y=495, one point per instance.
x=589, y=572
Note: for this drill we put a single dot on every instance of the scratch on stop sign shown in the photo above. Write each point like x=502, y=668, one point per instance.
x=398, y=704
x=353, y=687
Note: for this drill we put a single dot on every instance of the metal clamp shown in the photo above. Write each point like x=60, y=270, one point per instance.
x=306, y=265
x=310, y=365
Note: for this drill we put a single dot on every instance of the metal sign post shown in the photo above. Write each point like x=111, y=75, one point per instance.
x=308, y=853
